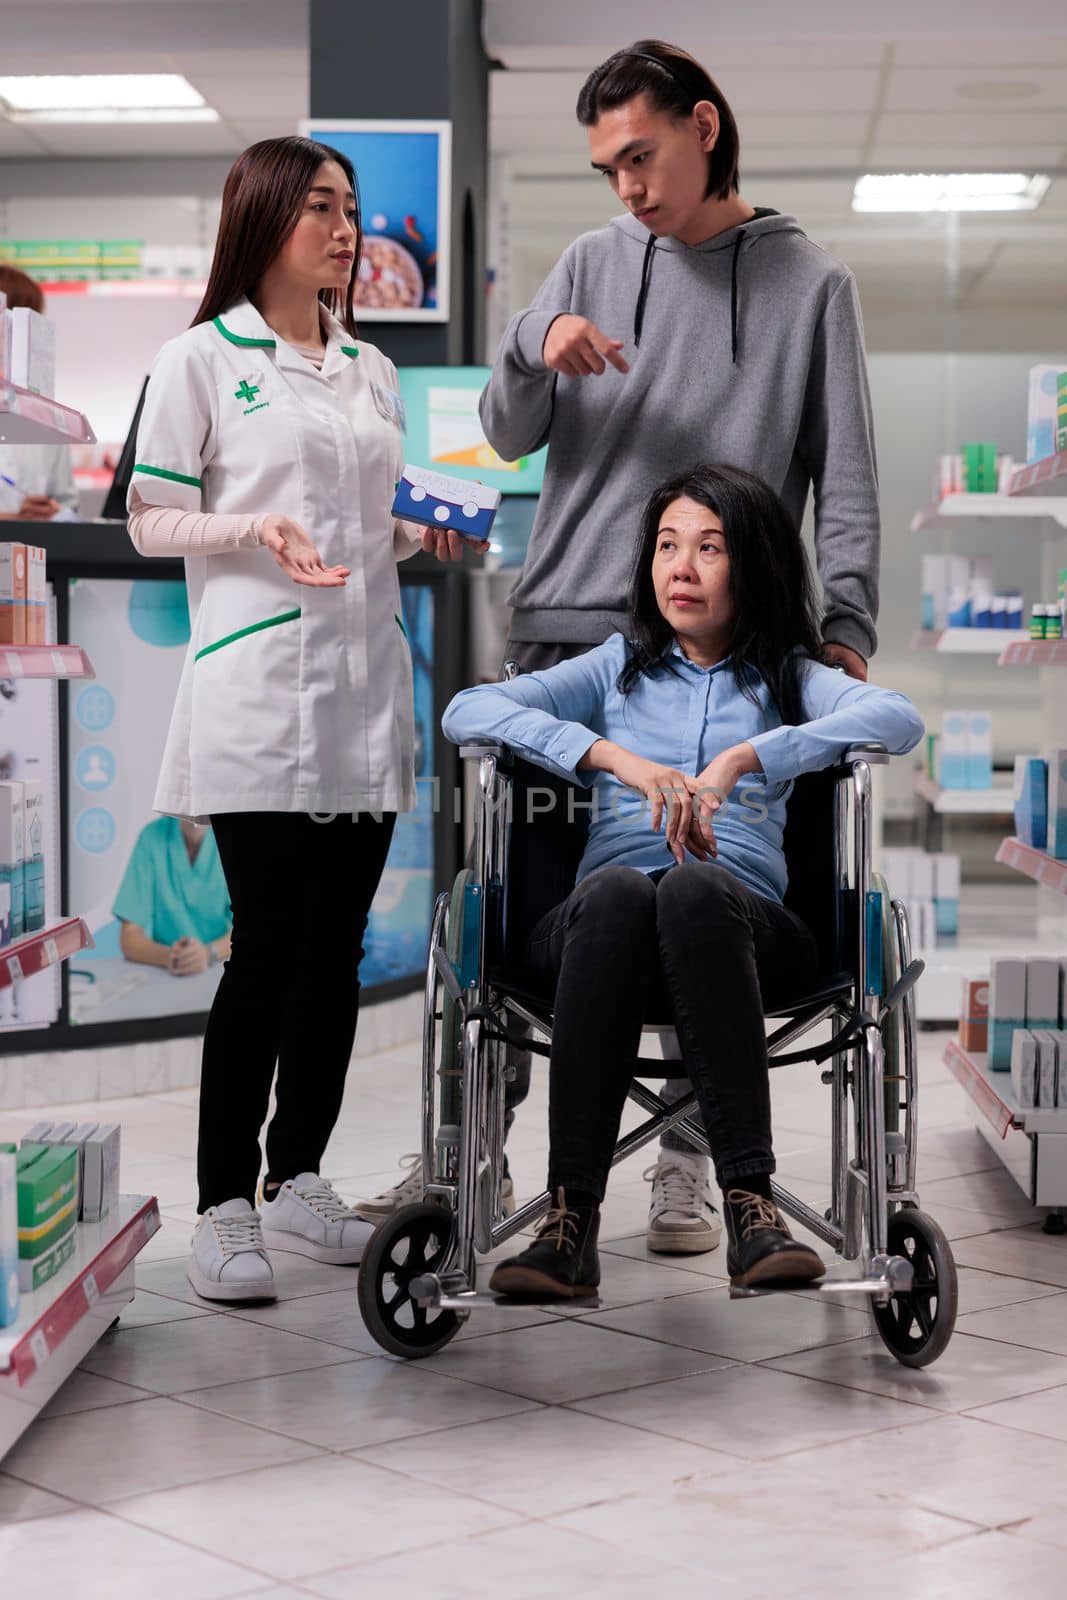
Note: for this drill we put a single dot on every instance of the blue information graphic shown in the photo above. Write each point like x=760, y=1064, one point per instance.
x=94, y=768
x=95, y=830
x=95, y=708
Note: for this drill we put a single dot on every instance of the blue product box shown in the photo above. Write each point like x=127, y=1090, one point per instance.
x=9, y=1238
x=979, y=750
x=1030, y=795
x=1007, y=1009
x=959, y=611
x=1057, y=804
x=442, y=502
x=982, y=611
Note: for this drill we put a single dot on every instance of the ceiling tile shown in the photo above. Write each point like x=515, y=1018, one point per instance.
x=140, y=139
x=964, y=51
x=262, y=97
x=938, y=89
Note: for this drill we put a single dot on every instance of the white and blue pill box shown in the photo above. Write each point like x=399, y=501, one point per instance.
x=438, y=501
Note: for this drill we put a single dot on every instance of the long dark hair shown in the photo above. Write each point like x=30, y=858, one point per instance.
x=770, y=586
x=674, y=81
x=262, y=200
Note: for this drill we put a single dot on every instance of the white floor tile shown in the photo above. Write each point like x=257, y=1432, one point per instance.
x=972, y=1372
x=959, y=1466
x=994, y=1191
x=764, y=1526
x=1040, y=1325
x=709, y=1264
x=84, y=1391
x=525, y=1563
x=626, y=1281
x=170, y=1357
x=566, y=1362
x=335, y=1317
x=986, y=1566
x=96, y=1557
x=367, y=1401
x=548, y=1461
x=147, y=1308
x=23, y=1502
x=742, y=1330
x=293, y=1275
x=307, y=1518
x=751, y=1412
x=1018, y=1252
x=1044, y=1413
x=95, y=1456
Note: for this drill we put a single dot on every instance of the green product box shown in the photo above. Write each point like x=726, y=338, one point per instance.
x=931, y=756
x=980, y=468
x=47, y=1197
x=32, y=1274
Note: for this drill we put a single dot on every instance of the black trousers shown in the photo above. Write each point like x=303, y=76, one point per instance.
x=696, y=946
x=289, y=995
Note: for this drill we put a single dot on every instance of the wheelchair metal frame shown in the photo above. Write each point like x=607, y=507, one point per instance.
x=872, y=1172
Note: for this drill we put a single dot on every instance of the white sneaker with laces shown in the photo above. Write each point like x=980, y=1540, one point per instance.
x=409, y=1190
x=682, y=1220
x=228, y=1259
x=308, y=1216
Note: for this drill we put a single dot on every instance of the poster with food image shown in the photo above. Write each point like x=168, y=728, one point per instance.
x=403, y=171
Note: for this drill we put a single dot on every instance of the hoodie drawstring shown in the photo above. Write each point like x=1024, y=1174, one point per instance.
x=646, y=278
x=646, y=274
x=738, y=242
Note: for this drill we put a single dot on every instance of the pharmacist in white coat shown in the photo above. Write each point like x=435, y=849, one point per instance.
x=267, y=455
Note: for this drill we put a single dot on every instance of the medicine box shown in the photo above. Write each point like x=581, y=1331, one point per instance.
x=101, y=1166
x=1057, y=804
x=1047, y=1070
x=1030, y=801
x=1024, y=1067
x=77, y=1139
x=947, y=894
x=1007, y=1008
x=9, y=1239
x=954, y=770
x=36, y=595
x=979, y=750
x=1043, y=981
x=12, y=863
x=1061, y=1091
x=47, y=1208
x=33, y=351
x=974, y=1015
x=33, y=846
x=14, y=580
x=443, y=502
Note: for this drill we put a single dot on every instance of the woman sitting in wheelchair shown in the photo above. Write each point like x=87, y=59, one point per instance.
x=689, y=733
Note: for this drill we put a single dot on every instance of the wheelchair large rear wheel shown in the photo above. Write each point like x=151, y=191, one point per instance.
x=917, y=1325
x=414, y=1240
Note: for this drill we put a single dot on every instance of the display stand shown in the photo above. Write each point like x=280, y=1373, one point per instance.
x=28, y=418
x=59, y=1323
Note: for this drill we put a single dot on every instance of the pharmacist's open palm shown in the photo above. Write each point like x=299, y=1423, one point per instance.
x=296, y=555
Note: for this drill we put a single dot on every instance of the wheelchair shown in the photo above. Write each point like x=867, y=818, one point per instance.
x=418, y=1277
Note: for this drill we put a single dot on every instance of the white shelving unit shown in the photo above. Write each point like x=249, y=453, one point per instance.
x=969, y=641
x=993, y=802
x=1047, y=870
x=1035, y=653
x=28, y=418
x=59, y=1323
x=1041, y=1172
x=992, y=507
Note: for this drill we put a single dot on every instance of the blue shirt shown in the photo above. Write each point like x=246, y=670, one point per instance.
x=682, y=718
x=168, y=895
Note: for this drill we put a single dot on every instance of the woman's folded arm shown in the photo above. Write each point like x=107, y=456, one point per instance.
x=842, y=712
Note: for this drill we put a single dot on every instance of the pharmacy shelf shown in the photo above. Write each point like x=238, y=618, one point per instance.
x=28, y=418
x=996, y=801
x=999, y=507
x=1036, y=864
x=59, y=1323
x=44, y=661
x=30, y=955
x=1035, y=653
x=1030, y=1142
x=1047, y=478
x=968, y=641
x=992, y=1094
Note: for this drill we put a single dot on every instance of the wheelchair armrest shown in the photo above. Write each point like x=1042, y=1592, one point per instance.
x=875, y=754
x=476, y=749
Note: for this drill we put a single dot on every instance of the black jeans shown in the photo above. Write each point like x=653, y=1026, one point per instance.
x=289, y=994
x=696, y=945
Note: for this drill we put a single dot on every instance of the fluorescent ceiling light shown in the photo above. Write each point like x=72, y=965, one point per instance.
x=95, y=97
x=949, y=191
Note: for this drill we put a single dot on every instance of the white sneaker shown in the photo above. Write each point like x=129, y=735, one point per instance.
x=308, y=1216
x=409, y=1190
x=228, y=1261
x=682, y=1221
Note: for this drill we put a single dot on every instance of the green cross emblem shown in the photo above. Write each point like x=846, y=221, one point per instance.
x=247, y=391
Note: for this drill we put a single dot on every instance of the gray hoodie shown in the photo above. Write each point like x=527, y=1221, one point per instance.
x=750, y=353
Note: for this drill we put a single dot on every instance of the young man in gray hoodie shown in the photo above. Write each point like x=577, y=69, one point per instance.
x=693, y=328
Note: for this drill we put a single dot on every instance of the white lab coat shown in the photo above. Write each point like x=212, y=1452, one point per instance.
x=291, y=698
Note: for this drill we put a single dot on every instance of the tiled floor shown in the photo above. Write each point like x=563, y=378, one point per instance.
x=671, y=1439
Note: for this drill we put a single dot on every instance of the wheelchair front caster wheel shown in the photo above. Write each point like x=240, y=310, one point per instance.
x=915, y=1326
x=415, y=1240
x=1055, y=1223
